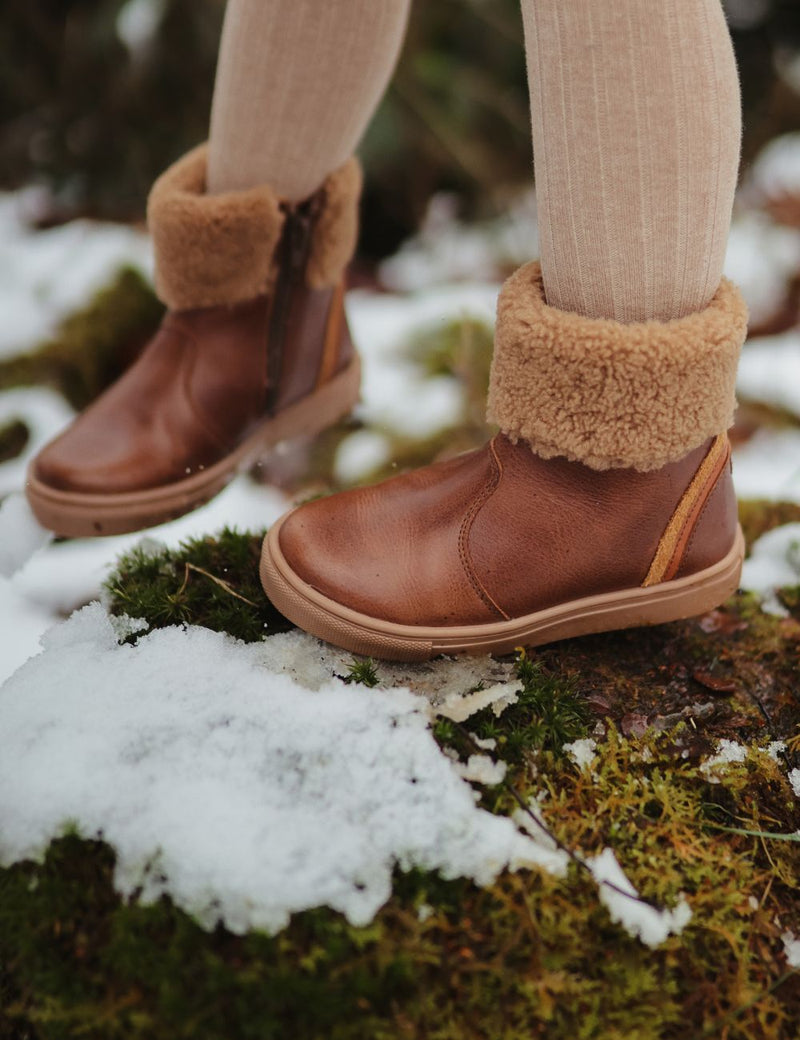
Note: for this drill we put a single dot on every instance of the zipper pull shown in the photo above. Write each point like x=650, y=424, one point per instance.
x=301, y=220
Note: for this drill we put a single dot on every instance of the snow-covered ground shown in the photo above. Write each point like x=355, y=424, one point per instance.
x=47, y=274
x=137, y=742
x=43, y=277
x=231, y=777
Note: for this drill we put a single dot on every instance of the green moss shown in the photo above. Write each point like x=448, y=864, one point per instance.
x=531, y=955
x=460, y=348
x=790, y=597
x=757, y=517
x=547, y=713
x=211, y=582
x=364, y=672
x=92, y=346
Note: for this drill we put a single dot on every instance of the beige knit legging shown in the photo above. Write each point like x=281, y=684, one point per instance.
x=636, y=131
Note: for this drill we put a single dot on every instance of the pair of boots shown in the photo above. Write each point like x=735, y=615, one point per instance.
x=605, y=502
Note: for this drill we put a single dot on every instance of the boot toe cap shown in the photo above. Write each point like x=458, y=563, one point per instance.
x=93, y=465
x=61, y=469
x=376, y=551
x=320, y=546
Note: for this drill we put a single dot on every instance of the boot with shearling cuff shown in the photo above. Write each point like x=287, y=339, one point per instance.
x=254, y=349
x=605, y=502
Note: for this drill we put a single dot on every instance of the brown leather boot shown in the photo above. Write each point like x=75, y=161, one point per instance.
x=254, y=349
x=606, y=502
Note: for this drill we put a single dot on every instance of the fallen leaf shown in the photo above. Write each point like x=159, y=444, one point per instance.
x=634, y=724
x=715, y=683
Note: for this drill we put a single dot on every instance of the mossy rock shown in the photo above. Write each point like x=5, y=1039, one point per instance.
x=531, y=955
x=737, y=668
x=92, y=346
x=757, y=516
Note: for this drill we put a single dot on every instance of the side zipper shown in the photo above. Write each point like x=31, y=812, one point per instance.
x=293, y=253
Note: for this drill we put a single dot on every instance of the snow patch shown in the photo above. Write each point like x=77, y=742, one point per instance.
x=532, y=822
x=776, y=172
x=487, y=744
x=791, y=948
x=45, y=414
x=638, y=919
x=397, y=394
x=769, y=371
x=775, y=749
x=138, y=22
x=727, y=751
x=582, y=752
x=768, y=466
x=20, y=534
x=23, y=624
x=445, y=249
x=774, y=563
x=359, y=455
x=458, y=706
x=45, y=275
x=762, y=259
x=242, y=793
x=482, y=769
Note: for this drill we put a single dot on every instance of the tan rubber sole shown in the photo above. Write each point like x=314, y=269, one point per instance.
x=77, y=515
x=361, y=634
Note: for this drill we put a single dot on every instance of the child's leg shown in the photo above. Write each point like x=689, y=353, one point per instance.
x=297, y=83
x=636, y=131
x=606, y=500
x=255, y=348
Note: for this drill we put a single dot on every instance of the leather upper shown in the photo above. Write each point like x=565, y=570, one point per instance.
x=195, y=393
x=197, y=388
x=497, y=533
x=213, y=373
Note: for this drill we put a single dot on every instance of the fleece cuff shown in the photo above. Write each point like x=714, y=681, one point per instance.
x=611, y=395
x=219, y=249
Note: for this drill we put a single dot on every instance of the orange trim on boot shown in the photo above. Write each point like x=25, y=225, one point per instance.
x=677, y=533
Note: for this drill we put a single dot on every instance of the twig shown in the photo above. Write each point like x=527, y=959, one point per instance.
x=773, y=835
x=572, y=856
x=714, y=1027
x=217, y=581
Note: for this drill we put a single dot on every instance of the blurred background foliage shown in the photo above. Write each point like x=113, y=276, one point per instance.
x=98, y=96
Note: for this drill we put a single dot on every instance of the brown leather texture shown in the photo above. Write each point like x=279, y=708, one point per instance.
x=198, y=389
x=495, y=534
x=715, y=526
x=392, y=551
x=307, y=318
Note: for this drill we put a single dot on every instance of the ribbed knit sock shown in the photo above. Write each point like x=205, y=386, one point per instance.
x=297, y=82
x=636, y=119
